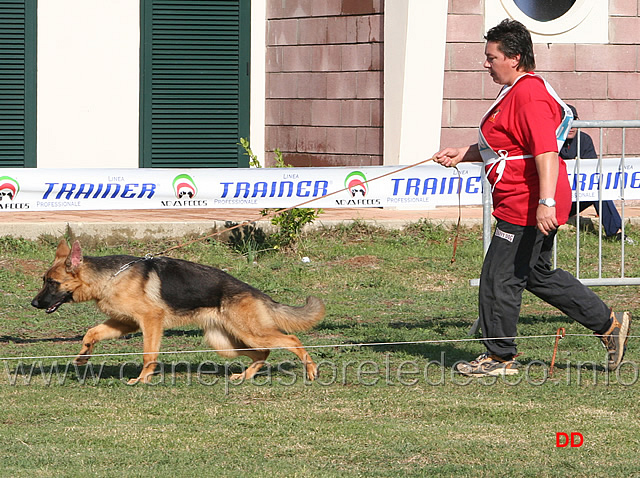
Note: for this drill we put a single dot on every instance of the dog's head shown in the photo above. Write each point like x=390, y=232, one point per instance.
x=61, y=280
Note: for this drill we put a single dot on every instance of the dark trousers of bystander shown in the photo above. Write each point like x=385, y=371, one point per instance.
x=519, y=258
x=609, y=215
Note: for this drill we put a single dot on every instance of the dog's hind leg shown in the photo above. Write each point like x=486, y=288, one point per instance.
x=293, y=344
x=228, y=346
x=259, y=358
x=111, y=329
x=278, y=340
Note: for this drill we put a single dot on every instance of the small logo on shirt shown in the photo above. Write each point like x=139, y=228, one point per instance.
x=504, y=235
x=493, y=116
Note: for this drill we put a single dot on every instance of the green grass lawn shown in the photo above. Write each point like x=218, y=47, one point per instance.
x=390, y=409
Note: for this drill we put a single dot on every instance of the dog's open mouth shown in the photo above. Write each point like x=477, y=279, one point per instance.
x=57, y=305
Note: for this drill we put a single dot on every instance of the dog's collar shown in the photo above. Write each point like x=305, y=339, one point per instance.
x=126, y=266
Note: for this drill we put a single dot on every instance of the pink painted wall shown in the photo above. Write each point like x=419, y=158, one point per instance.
x=601, y=81
x=324, y=104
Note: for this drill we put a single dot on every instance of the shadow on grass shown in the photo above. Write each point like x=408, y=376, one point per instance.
x=428, y=352
x=6, y=339
x=433, y=350
x=182, y=371
x=544, y=319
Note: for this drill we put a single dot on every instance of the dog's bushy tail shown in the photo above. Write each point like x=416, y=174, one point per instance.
x=296, y=319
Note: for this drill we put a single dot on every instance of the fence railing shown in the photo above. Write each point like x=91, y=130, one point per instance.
x=622, y=279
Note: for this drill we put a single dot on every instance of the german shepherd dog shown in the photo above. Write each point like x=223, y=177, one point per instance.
x=153, y=294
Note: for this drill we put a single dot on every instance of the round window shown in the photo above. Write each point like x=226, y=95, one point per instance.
x=548, y=17
x=544, y=10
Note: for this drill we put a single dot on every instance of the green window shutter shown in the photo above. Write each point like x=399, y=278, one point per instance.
x=18, y=20
x=194, y=83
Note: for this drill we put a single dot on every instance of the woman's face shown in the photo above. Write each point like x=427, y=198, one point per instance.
x=502, y=69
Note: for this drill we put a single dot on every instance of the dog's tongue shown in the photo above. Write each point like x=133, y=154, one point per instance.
x=54, y=307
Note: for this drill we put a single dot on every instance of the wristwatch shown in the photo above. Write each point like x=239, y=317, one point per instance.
x=549, y=202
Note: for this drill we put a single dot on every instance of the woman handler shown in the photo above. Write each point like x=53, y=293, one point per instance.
x=518, y=142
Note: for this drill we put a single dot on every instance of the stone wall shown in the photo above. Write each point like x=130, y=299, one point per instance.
x=324, y=82
x=602, y=81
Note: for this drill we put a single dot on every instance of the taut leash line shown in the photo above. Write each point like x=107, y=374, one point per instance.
x=280, y=211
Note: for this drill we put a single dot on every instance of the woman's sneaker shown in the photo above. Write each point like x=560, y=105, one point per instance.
x=615, y=339
x=487, y=364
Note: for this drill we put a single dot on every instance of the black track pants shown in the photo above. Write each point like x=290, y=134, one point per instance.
x=519, y=258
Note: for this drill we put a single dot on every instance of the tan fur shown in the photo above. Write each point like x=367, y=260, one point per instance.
x=133, y=303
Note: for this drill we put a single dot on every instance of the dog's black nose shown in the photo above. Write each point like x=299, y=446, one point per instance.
x=35, y=303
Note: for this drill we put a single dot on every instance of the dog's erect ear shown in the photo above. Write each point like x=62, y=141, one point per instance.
x=74, y=259
x=63, y=250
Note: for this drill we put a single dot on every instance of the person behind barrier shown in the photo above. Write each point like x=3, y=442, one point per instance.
x=518, y=141
x=611, y=220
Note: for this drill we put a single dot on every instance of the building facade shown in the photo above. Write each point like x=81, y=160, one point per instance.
x=174, y=83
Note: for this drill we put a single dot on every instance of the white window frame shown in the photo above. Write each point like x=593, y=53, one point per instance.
x=587, y=21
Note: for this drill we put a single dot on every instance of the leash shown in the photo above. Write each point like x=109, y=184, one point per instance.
x=455, y=238
x=560, y=334
x=147, y=257
x=281, y=211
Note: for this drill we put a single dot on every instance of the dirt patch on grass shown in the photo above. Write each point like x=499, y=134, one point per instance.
x=390, y=303
x=439, y=282
x=367, y=261
x=27, y=266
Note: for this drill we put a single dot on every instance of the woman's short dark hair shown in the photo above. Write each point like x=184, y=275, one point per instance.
x=513, y=39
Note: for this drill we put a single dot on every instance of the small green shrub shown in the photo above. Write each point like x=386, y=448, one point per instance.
x=289, y=221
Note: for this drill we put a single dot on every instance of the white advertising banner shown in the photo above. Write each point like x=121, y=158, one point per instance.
x=419, y=187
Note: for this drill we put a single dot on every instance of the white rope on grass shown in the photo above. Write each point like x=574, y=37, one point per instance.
x=373, y=344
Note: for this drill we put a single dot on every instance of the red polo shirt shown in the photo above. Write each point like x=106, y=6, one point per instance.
x=525, y=123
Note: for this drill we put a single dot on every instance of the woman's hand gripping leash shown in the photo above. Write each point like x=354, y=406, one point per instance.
x=450, y=157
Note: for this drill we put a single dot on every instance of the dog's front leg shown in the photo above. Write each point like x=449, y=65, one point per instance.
x=85, y=352
x=151, y=335
x=110, y=329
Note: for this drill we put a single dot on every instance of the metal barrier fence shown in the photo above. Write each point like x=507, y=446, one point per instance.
x=600, y=280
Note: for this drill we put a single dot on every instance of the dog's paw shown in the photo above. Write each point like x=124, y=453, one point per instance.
x=237, y=376
x=312, y=372
x=144, y=379
x=81, y=360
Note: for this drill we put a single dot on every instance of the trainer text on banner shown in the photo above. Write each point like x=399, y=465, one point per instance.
x=420, y=187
